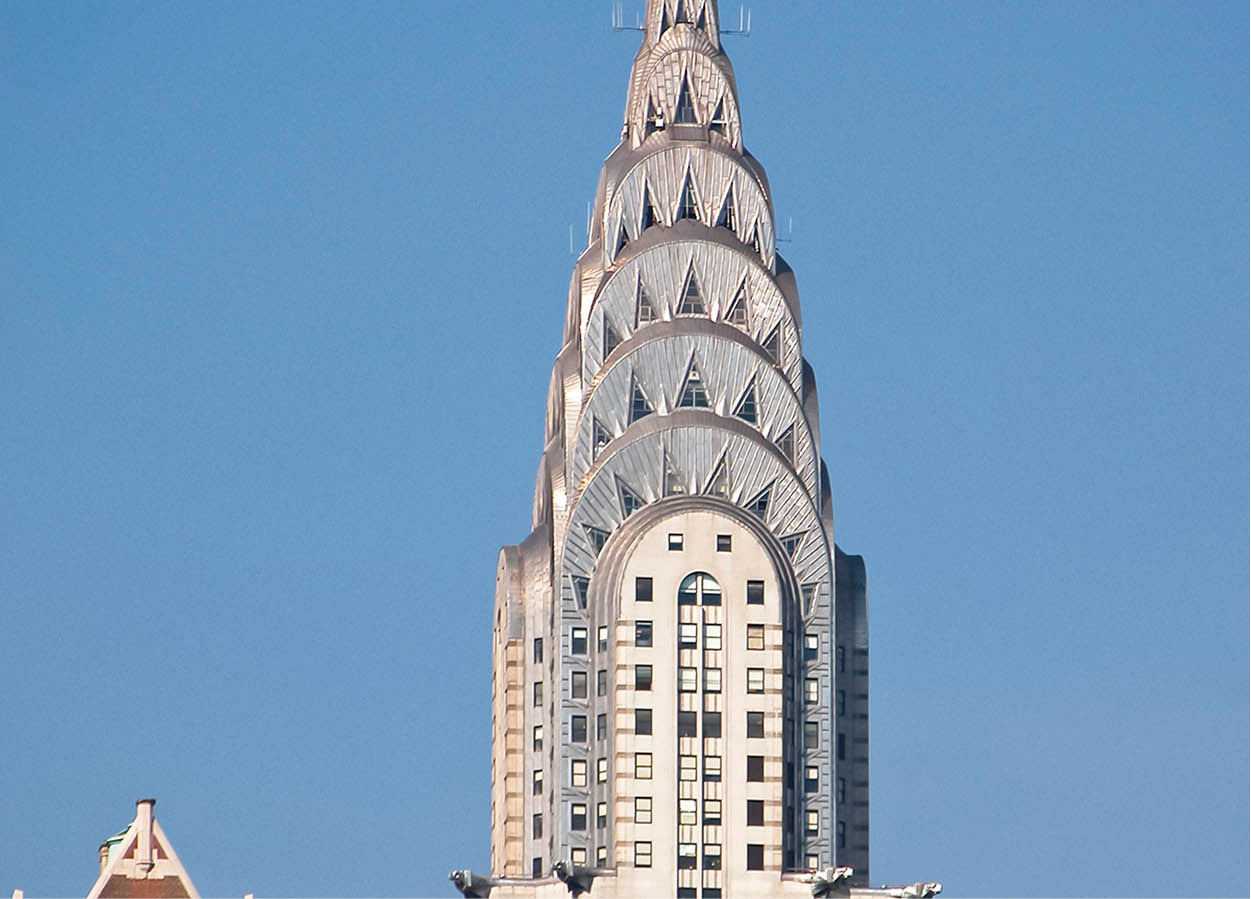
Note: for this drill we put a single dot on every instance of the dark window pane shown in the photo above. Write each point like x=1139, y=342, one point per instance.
x=755, y=593
x=577, y=683
x=723, y=543
x=812, y=739
x=601, y=726
x=712, y=724
x=755, y=857
x=601, y=682
x=642, y=721
x=842, y=746
x=755, y=769
x=755, y=813
x=536, y=867
x=538, y=649
x=642, y=633
x=577, y=641
x=643, y=589
x=755, y=724
x=577, y=729
x=642, y=677
x=686, y=724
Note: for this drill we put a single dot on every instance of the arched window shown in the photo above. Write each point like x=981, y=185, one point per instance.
x=699, y=589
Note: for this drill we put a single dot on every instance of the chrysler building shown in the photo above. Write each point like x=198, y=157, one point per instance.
x=680, y=695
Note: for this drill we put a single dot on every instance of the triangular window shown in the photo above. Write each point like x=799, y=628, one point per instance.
x=719, y=123
x=600, y=438
x=630, y=501
x=719, y=483
x=786, y=443
x=597, y=537
x=692, y=302
x=746, y=409
x=581, y=587
x=702, y=21
x=808, y=591
x=755, y=241
x=688, y=205
x=737, y=313
x=639, y=405
x=674, y=485
x=791, y=543
x=664, y=18
x=611, y=339
x=623, y=237
x=680, y=14
x=728, y=216
x=759, y=504
x=649, y=211
x=644, y=310
x=771, y=346
x=693, y=395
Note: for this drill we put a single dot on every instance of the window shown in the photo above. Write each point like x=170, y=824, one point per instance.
x=755, y=813
x=603, y=638
x=755, y=680
x=841, y=660
x=699, y=587
x=643, y=721
x=642, y=854
x=688, y=205
x=577, y=728
x=812, y=647
x=600, y=436
x=577, y=855
x=601, y=816
x=755, y=636
x=577, y=773
x=642, y=677
x=686, y=724
x=712, y=857
x=601, y=857
x=842, y=703
x=688, y=893
x=813, y=862
x=577, y=641
x=712, y=636
x=723, y=543
x=812, y=737
x=755, y=857
x=712, y=724
x=755, y=769
x=685, y=113
x=642, y=810
x=786, y=443
x=536, y=867
x=577, y=684
x=712, y=811
x=536, y=825
x=688, y=635
x=842, y=835
x=538, y=693
x=643, y=765
x=642, y=589
x=536, y=782
x=538, y=649
x=755, y=593
x=712, y=767
x=812, y=691
x=812, y=779
x=688, y=811
x=601, y=726
x=639, y=406
x=642, y=633
x=712, y=680
x=842, y=747
x=694, y=395
x=577, y=816
x=601, y=770
x=581, y=586
x=687, y=855
x=675, y=541
x=601, y=682
x=688, y=680
x=813, y=822
x=755, y=724
x=688, y=767
x=842, y=790
x=538, y=737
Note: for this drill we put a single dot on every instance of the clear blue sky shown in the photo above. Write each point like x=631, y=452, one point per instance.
x=280, y=288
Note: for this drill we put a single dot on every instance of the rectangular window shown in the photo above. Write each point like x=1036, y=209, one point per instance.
x=712, y=857
x=755, y=813
x=688, y=680
x=601, y=726
x=687, y=855
x=812, y=647
x=712, y=680
x=538, y=737
x=538, y=649
x=841, y=660
x=643, y=765
x=755, y=724
x=577, y=855
x=642, y=633
x=601, y=816
x=536, y=782
x=601, y=682
x=842, y=747
x=686, y=724
x=755, y=769
x=755, y=680
x=577, y=773
x=601, y=857
x=712, y=811
x=688, y=636
x=643, y=721
x=842, y=790
x=724, y=543
x=688, y=811
x=812, y=779
x=577, y=728
x=642, y=855
x=688, y=767
x=675, y=541
x=755, y=857
x=577, y=816
x=642, y=677
x=536, y=867
x=577, y=641
x=642, y=589
x=755, y=636
x=755, y=593
x=601, y=770
x=842, y=835
x=812, y=691
x=712, y=724
x=538, y=693
x=712, y=636
x=842, y=703
x=536, y=825
x=812, y=736
x=642, y=810
x=813, y=822
x=602, y=634
x=577, y=684
x=712, y=767
x=813, y=863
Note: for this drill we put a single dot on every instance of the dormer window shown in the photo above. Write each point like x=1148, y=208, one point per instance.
x=685, y=113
